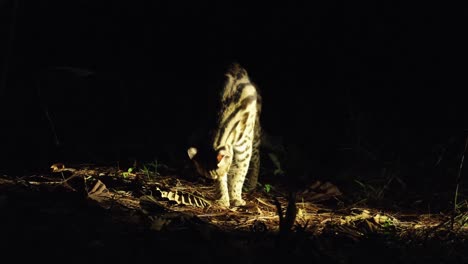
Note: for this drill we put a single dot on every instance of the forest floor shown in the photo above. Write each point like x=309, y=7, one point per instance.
x=89, y=212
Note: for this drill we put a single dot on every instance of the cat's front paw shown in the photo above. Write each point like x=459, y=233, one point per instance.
x=222, y=202
x=238, y=202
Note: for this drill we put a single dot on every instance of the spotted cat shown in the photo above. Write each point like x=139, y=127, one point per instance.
x=232, y=157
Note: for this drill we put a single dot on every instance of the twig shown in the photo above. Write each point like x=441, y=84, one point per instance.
x=458, y=185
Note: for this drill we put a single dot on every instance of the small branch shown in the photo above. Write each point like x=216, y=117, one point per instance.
x=286, y=221
x=455, y=200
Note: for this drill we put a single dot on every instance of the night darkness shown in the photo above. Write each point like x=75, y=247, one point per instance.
x=349, y=90
x=120, y=81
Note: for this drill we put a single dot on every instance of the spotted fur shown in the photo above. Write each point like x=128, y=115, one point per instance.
x=233, y=154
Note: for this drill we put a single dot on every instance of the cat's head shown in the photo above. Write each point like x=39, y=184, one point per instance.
x=211, y=163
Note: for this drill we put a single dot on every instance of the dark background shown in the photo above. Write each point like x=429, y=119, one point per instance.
x=124, y=80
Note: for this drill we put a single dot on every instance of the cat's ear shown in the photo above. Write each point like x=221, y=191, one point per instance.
x=192, y=152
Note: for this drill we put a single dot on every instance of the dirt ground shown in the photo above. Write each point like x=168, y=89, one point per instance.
x=92, y=213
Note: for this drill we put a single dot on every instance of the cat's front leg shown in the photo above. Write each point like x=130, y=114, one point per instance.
x=223, y=193
x=235, y=188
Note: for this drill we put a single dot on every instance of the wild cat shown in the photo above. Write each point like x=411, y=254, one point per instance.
x=232, y=155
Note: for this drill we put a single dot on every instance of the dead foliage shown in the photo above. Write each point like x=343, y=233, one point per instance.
x=312, y=221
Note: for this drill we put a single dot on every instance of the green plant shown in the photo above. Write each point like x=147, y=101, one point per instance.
x=370, y=191
x=152, y=169
x=156, y=165
x=127, y=173
x=146, y=171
